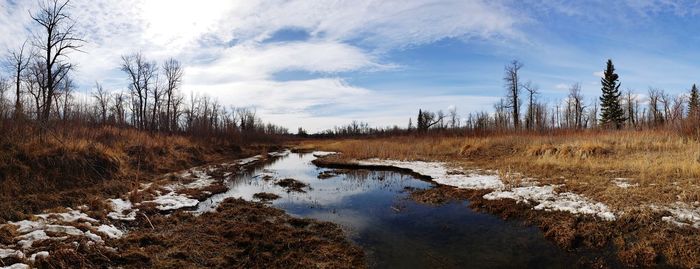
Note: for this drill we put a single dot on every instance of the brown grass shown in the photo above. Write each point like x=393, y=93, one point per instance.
x=664, y=166
x=75, y=167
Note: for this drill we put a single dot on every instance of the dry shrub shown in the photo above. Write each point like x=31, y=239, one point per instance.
x=639, y=254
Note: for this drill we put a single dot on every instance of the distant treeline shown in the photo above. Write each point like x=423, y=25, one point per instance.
x=38, y=90
x=613, y=109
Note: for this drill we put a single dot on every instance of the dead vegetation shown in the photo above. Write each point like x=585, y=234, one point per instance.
x=82, y=165
x=659, y=167
x=265, y=196
x=292, y=185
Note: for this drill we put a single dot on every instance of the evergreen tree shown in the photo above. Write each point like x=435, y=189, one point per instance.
x=694, y=103
x=611, y=114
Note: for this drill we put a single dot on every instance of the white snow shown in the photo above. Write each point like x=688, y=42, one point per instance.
x=10, y=253
x=16, y=266
x=319, y=154
x=546, y=198
x=122, y=210
x=249, y=160
x=40, y=255
x=682, y=214
x=27, y=240
x=279, y=153
x=440, y=174
x=110, y=231
x=93, y=237
x=173, y=201
x=70, y=216
x=623, y=183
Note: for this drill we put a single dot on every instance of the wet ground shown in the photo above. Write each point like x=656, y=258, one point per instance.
x=375, y=210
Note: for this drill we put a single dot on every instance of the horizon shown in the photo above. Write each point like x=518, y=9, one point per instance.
x=320, y=65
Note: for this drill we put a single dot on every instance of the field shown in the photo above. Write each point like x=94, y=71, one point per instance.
x=648, y=179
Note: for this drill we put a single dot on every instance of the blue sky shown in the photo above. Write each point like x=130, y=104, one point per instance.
x=318, y=64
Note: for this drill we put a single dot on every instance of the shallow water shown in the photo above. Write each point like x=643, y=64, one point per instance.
x=375, y=210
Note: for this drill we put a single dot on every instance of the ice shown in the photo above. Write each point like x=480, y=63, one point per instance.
x=440, y=174
x=279, y=153
x=546, y=198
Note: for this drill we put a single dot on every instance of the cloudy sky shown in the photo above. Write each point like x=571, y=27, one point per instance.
x=320, y=63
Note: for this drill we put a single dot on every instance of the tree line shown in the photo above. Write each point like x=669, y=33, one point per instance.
x=38, y=89
x=521, y=109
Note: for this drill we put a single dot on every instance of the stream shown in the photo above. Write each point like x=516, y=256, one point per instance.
x=375, y=210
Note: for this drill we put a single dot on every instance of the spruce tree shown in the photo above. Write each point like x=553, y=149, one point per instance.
x=694, y=103
x=611, y=114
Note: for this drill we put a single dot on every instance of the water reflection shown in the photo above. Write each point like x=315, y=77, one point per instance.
x=395, y=232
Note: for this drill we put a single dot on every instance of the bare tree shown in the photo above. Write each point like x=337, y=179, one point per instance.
x=102, y=97
x=576, y=99
x=532, y=92
x=19, y=60
x=56, y=40
x=173, y=74
x=140, y=73
x=512, y=80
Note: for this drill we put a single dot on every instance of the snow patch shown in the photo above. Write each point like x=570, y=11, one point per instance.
x=623, y=183
x=16, y=266
x=27, y=240
x=173, y=201
x=39, y=255
x=122, y=210
x=279, y=153
x=319, y=154
x=10, y=253
x=110, y=231
x=682, y=214
x=547, y=199
x=440, y=174
x=249, y=160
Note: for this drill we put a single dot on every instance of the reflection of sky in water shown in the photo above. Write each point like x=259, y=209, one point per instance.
x=395, y=232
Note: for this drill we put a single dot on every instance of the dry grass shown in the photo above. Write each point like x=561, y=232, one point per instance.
x=664, y=164
x=664, y=168
x=77, y=166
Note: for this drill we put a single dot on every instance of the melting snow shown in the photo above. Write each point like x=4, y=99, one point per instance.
x=319, y=154
x=10, y=253
x=16, y=266
x=120, y=207
x=623, y=183
x=40, y=255
x=279, y=153
x=173, y=201
x=682, y=214
x=547, y=199
x=440, y=174
x=110, y=231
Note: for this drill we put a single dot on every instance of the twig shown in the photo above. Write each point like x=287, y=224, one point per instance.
x=149, y=221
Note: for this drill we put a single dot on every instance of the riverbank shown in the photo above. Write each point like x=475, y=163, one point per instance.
x=154, y=226
x=634, y=192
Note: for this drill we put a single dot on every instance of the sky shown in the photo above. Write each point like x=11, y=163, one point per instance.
x=321, y=63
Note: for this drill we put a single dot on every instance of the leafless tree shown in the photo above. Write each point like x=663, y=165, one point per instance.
x=512, y=81
x=532, y=92
x=173, y=74
x=55, y=41
x=103, y=99
x=576, y=99
x=141, y=74
x=18, y=60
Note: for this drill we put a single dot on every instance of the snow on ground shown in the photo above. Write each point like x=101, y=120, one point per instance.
x=249, y=160
x=279, y=153
x=319, y=154
x=682, y=214
x=623, y=183
x=173, y=201
x=542, y=197
x=16, y=266
x=122, y=210
x=546, y=198
x=440, y=174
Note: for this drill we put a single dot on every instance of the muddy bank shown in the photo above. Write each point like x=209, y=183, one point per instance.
x=634, y=239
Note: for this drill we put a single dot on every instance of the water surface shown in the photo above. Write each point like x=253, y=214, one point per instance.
x=375, y=210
